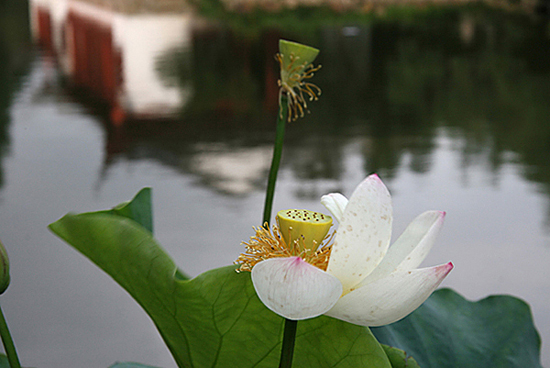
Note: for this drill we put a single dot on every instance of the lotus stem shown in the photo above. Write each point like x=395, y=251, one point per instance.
x=9, y=346
x=277, y=152
x=289, y=338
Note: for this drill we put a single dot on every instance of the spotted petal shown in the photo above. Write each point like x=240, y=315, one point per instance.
x=364, y=233
x=410, y=249
x=294, y=289
x=389, y=299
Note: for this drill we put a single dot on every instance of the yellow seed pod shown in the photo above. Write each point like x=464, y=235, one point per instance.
x=303, y=230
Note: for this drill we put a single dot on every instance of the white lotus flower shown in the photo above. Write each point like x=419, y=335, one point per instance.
x=356, y=279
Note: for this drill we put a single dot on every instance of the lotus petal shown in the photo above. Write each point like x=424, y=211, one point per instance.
x=410, y=249
x=389, y=299
x=294, y=289
x=336, y=203
x=364, y=233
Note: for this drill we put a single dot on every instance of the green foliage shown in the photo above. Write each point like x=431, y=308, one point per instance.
x=4, y=363
x=138, y=209
x=215, y=319
x=450, y=331
x=306, y=20
x=4, y=269
x=399, y=359
x=130, y=365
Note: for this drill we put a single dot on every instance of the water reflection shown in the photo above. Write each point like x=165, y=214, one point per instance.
x=483, y=73
x=114, y=55
x=15, y=53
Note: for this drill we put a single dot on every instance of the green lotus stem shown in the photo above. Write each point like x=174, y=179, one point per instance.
x=277, y=152
x=289, y=338
x=289, y=335
x=295, y=61
x=9, y=346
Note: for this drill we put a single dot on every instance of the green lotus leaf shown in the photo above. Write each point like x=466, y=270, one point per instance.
x=4, y=362
x=399, y=359
x=448, y=331
x=215, y=319
x=130, y=365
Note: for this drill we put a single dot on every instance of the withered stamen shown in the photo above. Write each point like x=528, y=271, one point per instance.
x=295, y=87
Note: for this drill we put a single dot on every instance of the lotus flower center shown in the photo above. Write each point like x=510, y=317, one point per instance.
x=303, y=230
x=300, y=233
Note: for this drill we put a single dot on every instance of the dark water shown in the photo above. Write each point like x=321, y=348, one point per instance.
x=452, y=111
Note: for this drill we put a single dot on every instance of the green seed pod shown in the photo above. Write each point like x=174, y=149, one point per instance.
x=295, y=58
x=4, y=269
x=296, y=68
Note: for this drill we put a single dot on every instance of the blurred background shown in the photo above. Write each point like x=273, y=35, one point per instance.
x=448, y=101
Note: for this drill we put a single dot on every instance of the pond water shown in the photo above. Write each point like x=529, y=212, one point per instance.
x=452, y=112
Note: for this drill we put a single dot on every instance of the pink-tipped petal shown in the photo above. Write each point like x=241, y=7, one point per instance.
x=389, y=299
x=424, y=230
x=336, y=203
x=411, y=248
x=294, y=289
x=364, y=233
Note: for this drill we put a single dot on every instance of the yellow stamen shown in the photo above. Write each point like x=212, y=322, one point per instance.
x=270, y=243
